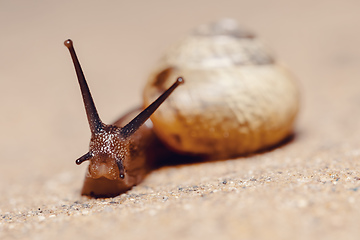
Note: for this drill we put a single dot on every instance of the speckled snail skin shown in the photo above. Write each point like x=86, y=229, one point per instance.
x=237, y=98
x=120, y=154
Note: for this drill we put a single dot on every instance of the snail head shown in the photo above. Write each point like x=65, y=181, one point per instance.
x=109, y=144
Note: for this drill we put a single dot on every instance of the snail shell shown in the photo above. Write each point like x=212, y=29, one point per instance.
x=237, y=98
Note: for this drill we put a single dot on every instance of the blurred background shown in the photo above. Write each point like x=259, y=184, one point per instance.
x=43, y=125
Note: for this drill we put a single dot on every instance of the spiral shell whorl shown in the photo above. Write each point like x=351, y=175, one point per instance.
x=220, y=44
x=236, y=100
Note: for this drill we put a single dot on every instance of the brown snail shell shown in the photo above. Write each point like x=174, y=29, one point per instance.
x=237, y=98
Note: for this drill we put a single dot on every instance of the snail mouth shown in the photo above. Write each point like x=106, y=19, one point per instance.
x=103, y=187
x=103, y=170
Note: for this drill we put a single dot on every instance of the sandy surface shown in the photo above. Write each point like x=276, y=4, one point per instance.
x=306, y=189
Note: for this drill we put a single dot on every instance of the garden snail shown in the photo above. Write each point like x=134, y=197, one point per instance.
x=236, y=100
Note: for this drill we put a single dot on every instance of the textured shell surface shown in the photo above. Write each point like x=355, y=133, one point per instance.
x=237, y=99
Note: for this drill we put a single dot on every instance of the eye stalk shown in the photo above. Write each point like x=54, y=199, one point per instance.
x=120, y=167
x=97, y=127
x=95, y=123
x=139, y=120
x=84, y=158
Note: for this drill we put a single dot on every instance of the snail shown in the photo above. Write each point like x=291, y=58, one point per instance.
x=237, y=100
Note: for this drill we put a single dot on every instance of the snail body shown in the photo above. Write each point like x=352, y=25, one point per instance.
x=122, y=153
x=102, y=177
x=236, y=100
